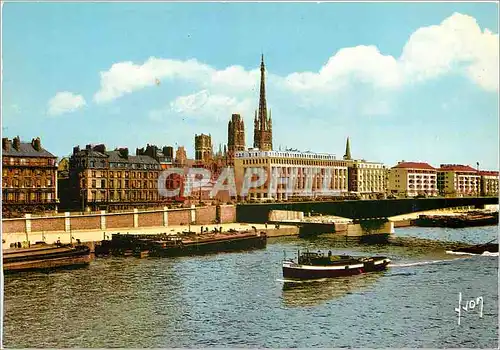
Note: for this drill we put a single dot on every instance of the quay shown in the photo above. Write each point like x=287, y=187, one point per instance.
x=94, y=227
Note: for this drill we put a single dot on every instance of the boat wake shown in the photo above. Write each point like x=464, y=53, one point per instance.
x=451, y=252
x=422, y=263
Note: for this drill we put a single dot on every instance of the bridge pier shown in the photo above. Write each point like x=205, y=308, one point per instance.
x=371, y=231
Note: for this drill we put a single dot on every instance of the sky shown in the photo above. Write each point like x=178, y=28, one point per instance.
x=404, y=81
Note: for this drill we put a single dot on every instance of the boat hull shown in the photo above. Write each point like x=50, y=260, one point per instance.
x=296, y=271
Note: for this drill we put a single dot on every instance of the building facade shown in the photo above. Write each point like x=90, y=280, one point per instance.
x=263, y=125
x=410, y=179
x=458, y=180
x=29, y=178
x=102, y=179
x=367, y=179
x=310, y=175
x=489, y=183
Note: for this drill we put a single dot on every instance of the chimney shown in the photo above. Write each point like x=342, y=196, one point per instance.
x=76, y=149
x=100, y=148
x=88, y=147
x=5, y=144
x=123, y=152
x=36, y=144
x=17, y=143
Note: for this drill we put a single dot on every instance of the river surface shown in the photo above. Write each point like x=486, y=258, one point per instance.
x=239, y=300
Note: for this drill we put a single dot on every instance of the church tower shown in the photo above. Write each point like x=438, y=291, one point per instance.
x=263, y=127
x=235, y=137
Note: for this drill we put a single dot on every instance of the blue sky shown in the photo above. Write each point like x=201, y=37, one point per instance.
x=412, y=81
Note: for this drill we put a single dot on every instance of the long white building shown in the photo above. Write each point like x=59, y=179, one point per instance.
x=289, y=174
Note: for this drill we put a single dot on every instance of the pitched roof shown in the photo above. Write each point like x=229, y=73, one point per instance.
x=488, y=173
x=26, y=149
x=457, y=167
x=414, y=165
x=114, y=157
x=90, y=153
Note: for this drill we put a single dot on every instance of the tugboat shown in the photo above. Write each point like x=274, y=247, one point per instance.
x=311, y=265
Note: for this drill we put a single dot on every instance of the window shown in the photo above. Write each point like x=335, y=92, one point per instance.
x=103, y=183
x=93, y=183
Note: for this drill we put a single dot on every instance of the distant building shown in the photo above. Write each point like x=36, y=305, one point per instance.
x=458, y=180
x=181, y=159
x=164, y=156
x=367, y=179
x=63, y=183
x=29, y=178
x=263, y=125
x=412, y=178
x=102, y=179
x=294, y=165
x=489, y=183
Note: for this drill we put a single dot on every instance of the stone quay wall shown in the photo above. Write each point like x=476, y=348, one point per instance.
x=102, y=220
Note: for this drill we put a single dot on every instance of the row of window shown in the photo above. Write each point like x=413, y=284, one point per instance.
x=134, y=165
x=29, y=161
x=28, y=197
x=123, y=196
x=27, y=172
x=125, y=183
x=27, y=183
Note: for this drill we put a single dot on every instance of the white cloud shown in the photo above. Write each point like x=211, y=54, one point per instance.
x=204, y=106
x=364, y=63
x=457, y=44
x=126, y=77
x=64, y=102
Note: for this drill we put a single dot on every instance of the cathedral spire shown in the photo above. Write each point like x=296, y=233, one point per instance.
x=263, y=138
x=347, y=155
x=262, y=99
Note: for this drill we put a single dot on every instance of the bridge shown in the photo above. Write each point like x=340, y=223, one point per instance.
x=358, y=209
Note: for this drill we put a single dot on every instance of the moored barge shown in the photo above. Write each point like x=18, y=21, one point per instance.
x=458, y=221
x=181, y=245
x=45, y=257
x=311, y=265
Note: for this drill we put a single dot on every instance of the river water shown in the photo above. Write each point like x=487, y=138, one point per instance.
x=239, y=300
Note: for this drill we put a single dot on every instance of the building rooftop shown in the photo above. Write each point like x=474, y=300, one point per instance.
x=414, y=165
x=489, y=172
x=457, y=167
x=284, y=154
x=16, y=148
